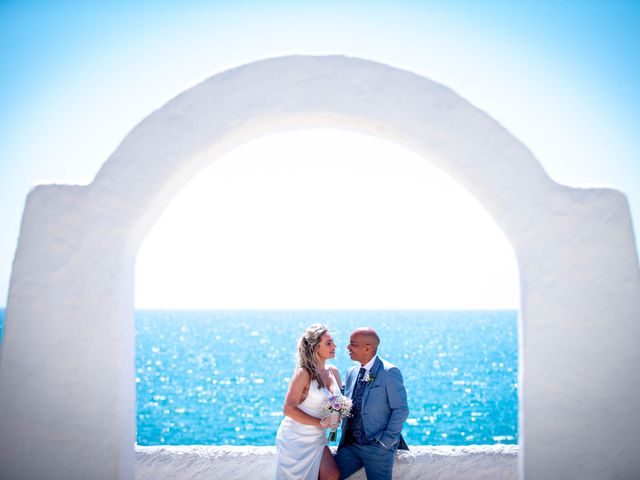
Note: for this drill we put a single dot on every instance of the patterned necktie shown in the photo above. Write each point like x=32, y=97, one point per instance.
x=359, y=382
x=357, y=429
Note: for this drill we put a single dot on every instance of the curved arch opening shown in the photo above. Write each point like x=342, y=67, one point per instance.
x=333, y=226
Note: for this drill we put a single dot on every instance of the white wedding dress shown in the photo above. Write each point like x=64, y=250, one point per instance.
x=299, y=447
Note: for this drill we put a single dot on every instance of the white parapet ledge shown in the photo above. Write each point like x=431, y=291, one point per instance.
x=471, y=462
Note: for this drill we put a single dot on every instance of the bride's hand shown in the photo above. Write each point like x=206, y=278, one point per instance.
x=331, y=421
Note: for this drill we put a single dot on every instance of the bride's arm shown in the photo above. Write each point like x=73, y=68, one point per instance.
x=336, y=374
x=300, y=380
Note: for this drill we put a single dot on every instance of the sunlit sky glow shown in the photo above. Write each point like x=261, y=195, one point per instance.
x=325, y=218
x=76, y=77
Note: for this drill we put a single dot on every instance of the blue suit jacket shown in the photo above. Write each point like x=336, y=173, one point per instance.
x=384, y=404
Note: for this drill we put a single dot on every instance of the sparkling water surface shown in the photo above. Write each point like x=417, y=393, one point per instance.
x=221, y=377
x=216, y=378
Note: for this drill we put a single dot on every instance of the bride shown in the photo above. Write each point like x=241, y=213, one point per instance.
x=301, y=441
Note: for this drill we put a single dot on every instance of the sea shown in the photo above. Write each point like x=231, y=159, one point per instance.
x=220, y=377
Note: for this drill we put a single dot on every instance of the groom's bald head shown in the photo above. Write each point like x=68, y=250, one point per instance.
x=369, y=336
x=363, y=344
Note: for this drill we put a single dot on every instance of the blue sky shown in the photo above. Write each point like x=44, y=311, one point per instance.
x=76, y=77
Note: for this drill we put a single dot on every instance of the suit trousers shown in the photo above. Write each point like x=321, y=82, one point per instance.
x=375, y=458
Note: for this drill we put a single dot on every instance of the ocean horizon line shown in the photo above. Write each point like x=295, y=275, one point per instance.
x=331, y=309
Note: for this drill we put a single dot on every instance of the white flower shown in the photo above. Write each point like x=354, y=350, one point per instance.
x=367, y=378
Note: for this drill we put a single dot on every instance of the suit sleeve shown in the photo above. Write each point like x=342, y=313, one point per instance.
x=397, y=397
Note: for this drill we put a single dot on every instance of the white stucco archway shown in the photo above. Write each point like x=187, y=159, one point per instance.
x=67, y=392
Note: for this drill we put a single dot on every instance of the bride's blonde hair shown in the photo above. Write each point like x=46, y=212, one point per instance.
x=307, y=348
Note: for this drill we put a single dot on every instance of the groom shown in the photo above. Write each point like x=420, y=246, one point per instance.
x=371, y=436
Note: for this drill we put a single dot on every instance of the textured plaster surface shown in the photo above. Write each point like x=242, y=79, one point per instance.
x=67, y=389
x=495, y=462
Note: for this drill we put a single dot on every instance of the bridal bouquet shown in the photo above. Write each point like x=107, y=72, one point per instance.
x=336, y=407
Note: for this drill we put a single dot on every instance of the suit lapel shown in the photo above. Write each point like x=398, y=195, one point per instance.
x=374, y=372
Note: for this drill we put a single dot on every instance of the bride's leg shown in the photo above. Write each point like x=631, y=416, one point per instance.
x=328, y=468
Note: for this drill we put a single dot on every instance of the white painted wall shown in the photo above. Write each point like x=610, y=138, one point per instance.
x=67, y=392
x=495, y=462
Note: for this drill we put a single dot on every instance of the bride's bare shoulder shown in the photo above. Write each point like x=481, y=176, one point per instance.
x=301, y=372
x=335, y=371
